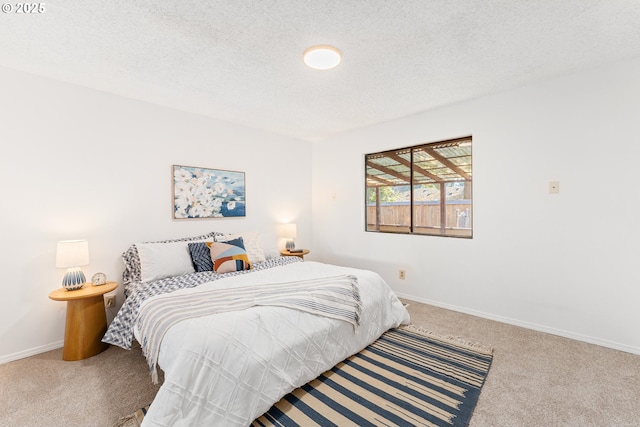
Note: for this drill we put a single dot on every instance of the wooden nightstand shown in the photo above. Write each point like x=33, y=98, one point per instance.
x=298, y=254
x=86, y=320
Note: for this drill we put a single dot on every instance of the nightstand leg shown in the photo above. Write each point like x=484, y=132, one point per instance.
x=86, y=325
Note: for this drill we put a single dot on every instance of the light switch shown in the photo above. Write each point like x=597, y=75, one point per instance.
x=554, y=187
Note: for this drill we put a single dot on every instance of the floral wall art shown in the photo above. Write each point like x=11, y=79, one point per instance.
x=207, y=193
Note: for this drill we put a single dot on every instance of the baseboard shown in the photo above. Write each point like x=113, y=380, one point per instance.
x=30, y=352
x=529, y=325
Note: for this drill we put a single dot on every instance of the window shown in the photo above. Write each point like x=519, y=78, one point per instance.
x=425, y=189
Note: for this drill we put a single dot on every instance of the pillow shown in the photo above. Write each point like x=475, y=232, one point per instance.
x=252, y=245
x=227, y=257
x=131, y=257
x=158, y=261
x=201, y=256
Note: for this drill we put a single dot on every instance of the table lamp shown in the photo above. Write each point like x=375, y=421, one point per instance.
x=72, y=255
x=289, y=233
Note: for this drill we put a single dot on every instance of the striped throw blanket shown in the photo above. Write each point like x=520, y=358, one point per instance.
x=334, y=297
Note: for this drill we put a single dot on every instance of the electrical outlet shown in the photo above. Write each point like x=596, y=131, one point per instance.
x=110, y=301
x=401, y=274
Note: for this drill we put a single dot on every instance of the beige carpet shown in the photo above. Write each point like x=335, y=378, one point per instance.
x=536, y=380
x=543, y=380
x=45, y=391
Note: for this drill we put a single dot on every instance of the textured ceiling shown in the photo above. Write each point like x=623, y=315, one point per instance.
x=240, y=61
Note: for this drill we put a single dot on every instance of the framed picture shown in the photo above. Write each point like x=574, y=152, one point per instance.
x=207, y=193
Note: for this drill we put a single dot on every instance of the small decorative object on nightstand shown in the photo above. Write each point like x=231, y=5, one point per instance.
x=295, y=252
x=86, y=320
x=99, y=279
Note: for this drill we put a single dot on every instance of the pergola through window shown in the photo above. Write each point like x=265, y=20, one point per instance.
x=425, y=189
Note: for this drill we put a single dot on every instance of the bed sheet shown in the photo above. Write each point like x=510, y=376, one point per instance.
x=229, y=368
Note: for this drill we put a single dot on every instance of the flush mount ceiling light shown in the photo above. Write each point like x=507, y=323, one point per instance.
x=322, y=57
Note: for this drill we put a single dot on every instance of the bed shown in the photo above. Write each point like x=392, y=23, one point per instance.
x=229, y=367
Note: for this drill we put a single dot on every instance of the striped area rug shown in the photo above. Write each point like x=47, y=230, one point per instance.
x=407, y=377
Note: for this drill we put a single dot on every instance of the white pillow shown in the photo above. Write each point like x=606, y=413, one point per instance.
x=160, y=260
x=252, y=244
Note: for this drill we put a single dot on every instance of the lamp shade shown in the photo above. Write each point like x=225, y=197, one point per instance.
x=289, y=231
x=72, y=253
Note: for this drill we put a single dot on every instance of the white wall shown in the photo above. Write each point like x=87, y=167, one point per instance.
x=78, y=163
x=564, y=263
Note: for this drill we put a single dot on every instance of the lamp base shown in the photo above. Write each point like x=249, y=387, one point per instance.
x=290, y=245
x=74, y=279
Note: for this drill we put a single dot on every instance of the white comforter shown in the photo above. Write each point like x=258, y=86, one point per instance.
x=229, y=368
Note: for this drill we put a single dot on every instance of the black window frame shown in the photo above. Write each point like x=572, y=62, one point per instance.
x=446, y=165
